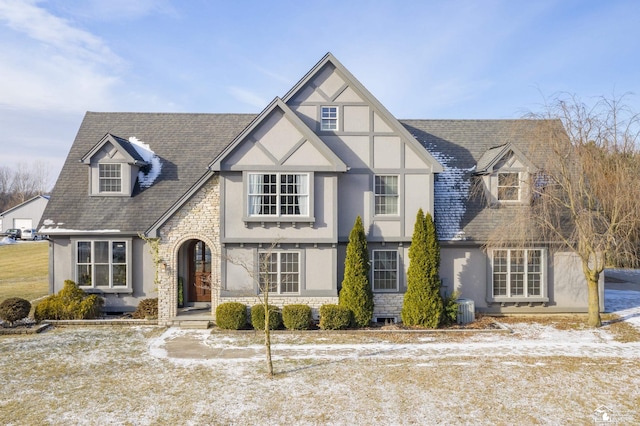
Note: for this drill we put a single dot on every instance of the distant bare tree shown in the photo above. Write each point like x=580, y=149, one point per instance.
x=586, y=197
x=22, y=183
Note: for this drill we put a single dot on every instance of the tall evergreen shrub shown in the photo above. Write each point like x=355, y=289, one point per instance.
x=422, y=302
x=356, y=293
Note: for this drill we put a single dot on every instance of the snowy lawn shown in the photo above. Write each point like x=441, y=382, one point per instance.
x=550, y=371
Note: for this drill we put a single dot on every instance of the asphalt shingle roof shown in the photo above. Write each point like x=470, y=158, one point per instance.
x=459, y=145
x=185, y=143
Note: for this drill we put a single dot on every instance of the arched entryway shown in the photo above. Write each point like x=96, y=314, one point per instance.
x=195, y=270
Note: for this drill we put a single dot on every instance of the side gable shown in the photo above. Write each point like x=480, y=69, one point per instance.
x=359, y=114
x=277, y=140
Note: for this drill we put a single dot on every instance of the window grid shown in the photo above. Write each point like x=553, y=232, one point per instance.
x=110, y=177
x=329, y=118
x=278, y=194
x=386, y=195
x=508, y=186
x=517, y=272
x=385, y=270
x=280, y=272
x=101, y=264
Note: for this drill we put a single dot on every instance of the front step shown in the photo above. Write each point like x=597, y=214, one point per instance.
x=192, y=324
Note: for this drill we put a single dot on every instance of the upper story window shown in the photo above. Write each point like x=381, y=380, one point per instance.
x=278, y=194
x=329, y=118
x=385, y=270
x=386, y=195
x=508, y=186
x=280, y=272
x=102, y=264
x=518, y=273
x=110, y=178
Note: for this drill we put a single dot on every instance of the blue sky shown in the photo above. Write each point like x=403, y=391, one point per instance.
x=422, y=59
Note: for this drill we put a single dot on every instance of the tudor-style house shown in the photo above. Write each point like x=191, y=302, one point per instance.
x=186, y=207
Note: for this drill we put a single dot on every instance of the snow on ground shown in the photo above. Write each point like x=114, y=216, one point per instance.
x=538, y=374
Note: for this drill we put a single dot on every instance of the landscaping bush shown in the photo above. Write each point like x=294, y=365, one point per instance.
x=297, y=317
x=147, y=308
x=356, y=294
x=450, y=311
x=231, y=316
x=70, y=303
x=422, y=305
x=334, y=317
x=257, y=317
x=14, y=309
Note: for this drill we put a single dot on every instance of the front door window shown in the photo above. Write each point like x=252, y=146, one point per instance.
x=200, y=272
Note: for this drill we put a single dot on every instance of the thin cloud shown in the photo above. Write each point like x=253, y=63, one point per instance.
x=248, y=97
x=40, y=25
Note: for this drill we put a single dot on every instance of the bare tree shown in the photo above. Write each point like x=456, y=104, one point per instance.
x=263, y=274
x=22, y=183
x=585, y=197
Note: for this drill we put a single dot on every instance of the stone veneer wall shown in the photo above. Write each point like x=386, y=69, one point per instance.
x=387, y=305
x=198, y=219
x=313, y=302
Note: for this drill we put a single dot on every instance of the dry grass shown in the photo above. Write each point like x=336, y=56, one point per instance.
x=107, y=376
x=24, y=270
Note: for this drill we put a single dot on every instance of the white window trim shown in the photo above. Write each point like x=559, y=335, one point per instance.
x=376, y=195
x=105, y=289
x=308, y=217
x=373, y=270
x=502, y=172
x=335, y=119
x=524, y=298
x=121, y=178
x=279, y=283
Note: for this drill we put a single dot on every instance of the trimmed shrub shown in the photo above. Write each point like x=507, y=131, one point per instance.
x=297, y=317
x=14, y=309
x=356, y=294
x=70, y=303
x=422, y=304
x=147, y=308
x=334, y=317
x=231, y=316
x=257, y=317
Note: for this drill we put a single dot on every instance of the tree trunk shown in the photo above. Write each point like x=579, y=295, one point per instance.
x=594, y=300
x=267, y=334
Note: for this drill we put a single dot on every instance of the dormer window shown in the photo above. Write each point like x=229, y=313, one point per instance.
x=110, y=178
x=508, y=186
x=329, y=118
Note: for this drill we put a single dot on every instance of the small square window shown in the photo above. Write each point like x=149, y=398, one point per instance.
x=508, y=186
x=110, y=177
x=329, y=118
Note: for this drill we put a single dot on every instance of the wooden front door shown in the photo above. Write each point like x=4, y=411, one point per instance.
x=199, y=272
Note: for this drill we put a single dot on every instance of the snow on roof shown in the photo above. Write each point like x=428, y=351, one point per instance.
x=65, y=231
x=147, y=177
x=450, y=194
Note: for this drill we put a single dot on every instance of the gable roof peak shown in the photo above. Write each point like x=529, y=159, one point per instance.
x=124, y=146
